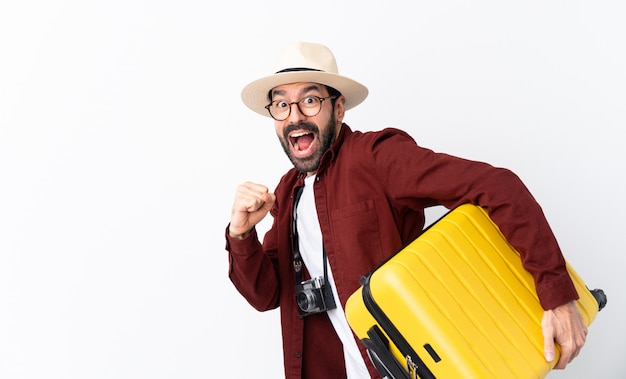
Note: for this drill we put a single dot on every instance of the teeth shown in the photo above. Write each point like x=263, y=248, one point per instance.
x=295, y=137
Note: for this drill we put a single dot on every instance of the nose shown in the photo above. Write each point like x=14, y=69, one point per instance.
x=294, y=113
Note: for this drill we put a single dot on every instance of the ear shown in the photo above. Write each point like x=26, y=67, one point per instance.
x=340, y=108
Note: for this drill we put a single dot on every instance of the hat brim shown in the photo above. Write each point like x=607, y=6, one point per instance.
x=254, y=95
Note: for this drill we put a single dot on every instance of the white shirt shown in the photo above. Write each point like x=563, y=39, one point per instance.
x=311, y=250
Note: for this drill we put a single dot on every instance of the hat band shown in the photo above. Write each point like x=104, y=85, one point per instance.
x=296, y=69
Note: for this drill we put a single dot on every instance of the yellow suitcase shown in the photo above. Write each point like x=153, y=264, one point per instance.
x=456, y=303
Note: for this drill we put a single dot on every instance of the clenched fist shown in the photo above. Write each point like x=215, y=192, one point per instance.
x=252, y=203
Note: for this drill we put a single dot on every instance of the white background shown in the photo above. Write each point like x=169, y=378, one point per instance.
x=123, y=137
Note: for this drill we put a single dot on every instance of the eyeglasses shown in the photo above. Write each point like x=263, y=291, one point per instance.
x=309, y=106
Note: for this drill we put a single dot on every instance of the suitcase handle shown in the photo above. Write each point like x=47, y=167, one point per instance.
x=378, y=350
x=600, y=297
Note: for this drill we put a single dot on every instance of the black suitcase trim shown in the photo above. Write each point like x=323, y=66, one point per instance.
x=415, y=366
x=378, y=351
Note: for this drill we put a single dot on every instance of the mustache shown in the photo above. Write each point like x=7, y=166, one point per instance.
x=309, y=127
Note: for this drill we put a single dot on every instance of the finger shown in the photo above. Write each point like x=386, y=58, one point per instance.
x=579, y=341
x=250, y=197
x=566, y=357
x=549, y=348
x=259, y=196
x=247, y=204
x=254, y=188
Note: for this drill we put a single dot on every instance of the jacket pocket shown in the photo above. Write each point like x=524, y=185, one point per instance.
x=356, y=238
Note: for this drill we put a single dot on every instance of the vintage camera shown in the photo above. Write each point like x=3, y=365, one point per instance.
x=313, y=296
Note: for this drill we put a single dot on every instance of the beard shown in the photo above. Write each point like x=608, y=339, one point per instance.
x=326, y=139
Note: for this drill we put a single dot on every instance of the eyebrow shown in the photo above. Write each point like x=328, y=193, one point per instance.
x=312, y=87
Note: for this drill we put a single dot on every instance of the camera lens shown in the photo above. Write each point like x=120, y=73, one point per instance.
x=306, y=301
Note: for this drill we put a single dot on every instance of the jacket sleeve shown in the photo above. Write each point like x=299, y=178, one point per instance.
x=412, y=172
x=252, y=270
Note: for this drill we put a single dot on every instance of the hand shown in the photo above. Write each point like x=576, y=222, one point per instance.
x=563, y=325
x=252, y=203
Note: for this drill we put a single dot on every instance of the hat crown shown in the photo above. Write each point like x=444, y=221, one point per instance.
x=305, y=55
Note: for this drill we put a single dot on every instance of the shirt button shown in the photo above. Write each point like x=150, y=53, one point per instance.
x=298, y=354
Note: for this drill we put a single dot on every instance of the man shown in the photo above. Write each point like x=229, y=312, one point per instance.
x=351, y=200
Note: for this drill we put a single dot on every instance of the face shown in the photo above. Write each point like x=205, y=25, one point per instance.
x=306, y=139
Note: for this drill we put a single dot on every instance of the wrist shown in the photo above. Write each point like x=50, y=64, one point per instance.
x=239, y=236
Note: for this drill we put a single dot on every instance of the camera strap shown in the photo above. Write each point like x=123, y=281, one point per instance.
x=297, y=258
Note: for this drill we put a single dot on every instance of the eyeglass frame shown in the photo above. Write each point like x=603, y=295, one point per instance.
x=321, y=100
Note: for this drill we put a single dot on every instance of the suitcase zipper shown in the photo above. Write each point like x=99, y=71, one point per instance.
x=414, y=364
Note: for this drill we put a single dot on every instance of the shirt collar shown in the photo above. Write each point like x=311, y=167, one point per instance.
x=331, y=154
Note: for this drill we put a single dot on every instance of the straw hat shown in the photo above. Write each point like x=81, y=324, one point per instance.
x=303, y=62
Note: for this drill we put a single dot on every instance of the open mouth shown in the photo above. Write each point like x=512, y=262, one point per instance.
x=301, y=141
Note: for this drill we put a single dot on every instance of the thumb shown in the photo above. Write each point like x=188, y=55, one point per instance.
x=549, y=350
x=269, y=199
x=549, y=347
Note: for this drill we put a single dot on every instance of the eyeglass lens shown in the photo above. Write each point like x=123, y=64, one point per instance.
x=309, y=106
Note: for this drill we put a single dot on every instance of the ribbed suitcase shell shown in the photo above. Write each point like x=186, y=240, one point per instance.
x=460, y=289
